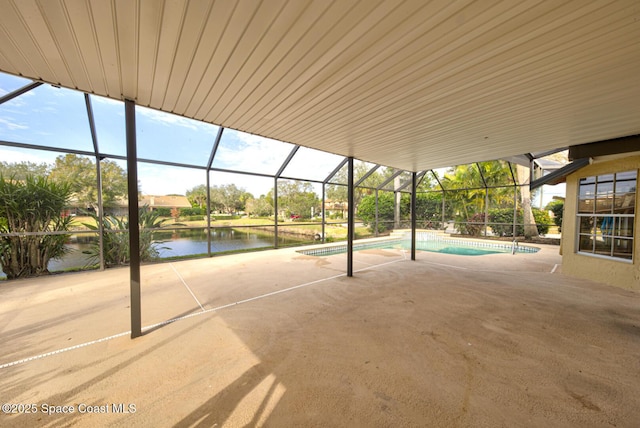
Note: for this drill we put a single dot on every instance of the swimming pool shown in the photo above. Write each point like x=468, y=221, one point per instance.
x=427, y=242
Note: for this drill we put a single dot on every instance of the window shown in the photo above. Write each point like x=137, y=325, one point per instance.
x=606, y=214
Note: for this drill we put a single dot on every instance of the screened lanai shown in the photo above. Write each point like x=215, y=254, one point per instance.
x=335, y=123
x=176, y=155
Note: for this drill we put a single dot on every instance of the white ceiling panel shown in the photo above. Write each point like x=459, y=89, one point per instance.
x=106, y=43
x=410, y=84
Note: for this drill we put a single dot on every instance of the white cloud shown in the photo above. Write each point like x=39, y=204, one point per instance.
x=163, y=180
x=255, y=185
x=12, y=125
x=312, y=164
x=247, y=152
x=168, y=119
x=17, y=155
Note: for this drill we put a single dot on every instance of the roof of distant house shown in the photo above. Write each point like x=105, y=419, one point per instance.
x=167, y=201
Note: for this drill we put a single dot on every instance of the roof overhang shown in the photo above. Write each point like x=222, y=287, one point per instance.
x=605, y=148
x=408, y=84
x=559, y=175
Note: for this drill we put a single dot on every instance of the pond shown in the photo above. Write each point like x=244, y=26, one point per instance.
x=182, y=243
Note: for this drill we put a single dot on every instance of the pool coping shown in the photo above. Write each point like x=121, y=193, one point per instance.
x=400, y=236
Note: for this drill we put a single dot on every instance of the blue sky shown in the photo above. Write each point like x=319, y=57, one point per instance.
x=57, y=117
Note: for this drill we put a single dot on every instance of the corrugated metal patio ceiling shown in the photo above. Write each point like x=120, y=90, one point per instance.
x=409, y=84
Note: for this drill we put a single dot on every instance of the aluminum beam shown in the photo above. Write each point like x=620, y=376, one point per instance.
x=351, y=219
x=18, y=92
x=94, y=139
x=414, y=215
x=134, y=226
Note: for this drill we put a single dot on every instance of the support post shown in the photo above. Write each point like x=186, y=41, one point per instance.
x=414, y=214
x=515, y=201
x=100, y=212
x=134, y=226
x=275, y=190
x=351, y=219
x=324, y=215
x=212, y=156
x=208, y=181
x=275, y=212
x=515, y=211
x=376, y=223
x=486, y=210
x=96, y=151
x=443, y=208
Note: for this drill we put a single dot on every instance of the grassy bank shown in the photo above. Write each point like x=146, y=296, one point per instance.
x=332, y=231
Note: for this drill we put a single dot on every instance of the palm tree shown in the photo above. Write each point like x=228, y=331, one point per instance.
x=470, y=187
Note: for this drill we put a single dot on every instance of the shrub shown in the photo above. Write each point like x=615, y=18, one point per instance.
x=194, y=211
x=501, y=220
x=116, y=238
x=473, y=226
x=163, y=211
x=543, y=221
x=367, y=211
x=557, y=208
x=34, y=204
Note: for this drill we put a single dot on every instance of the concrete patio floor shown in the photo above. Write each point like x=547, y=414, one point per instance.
x=277, y=338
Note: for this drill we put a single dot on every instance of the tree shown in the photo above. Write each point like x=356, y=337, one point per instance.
x=469, y=187
x=557, y=208
x=114, y=183
x=197, y=196
x=20, y=170
x=29, y=206
x=297, y=198
x=465, y=191
x=530, y=229
x=338, y=192
x=386, y=208
x=261, y=207
x=80, y=173
x=428, y=209
x=228, y=198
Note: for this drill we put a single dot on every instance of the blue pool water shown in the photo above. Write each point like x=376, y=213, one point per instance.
x=447, y=246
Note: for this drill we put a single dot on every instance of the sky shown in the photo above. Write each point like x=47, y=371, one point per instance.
x=57, y=117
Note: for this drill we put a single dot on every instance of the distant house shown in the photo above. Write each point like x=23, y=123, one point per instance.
x=169, y=201
x=337, y=209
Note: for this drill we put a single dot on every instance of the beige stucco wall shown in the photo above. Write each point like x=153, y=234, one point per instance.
x=618, y=273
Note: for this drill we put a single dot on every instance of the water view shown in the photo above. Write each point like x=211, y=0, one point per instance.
x=180, y=243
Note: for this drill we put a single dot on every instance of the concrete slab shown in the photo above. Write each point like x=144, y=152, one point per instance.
x=278, y=338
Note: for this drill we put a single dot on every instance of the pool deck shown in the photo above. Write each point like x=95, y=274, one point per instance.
x=278, y=338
